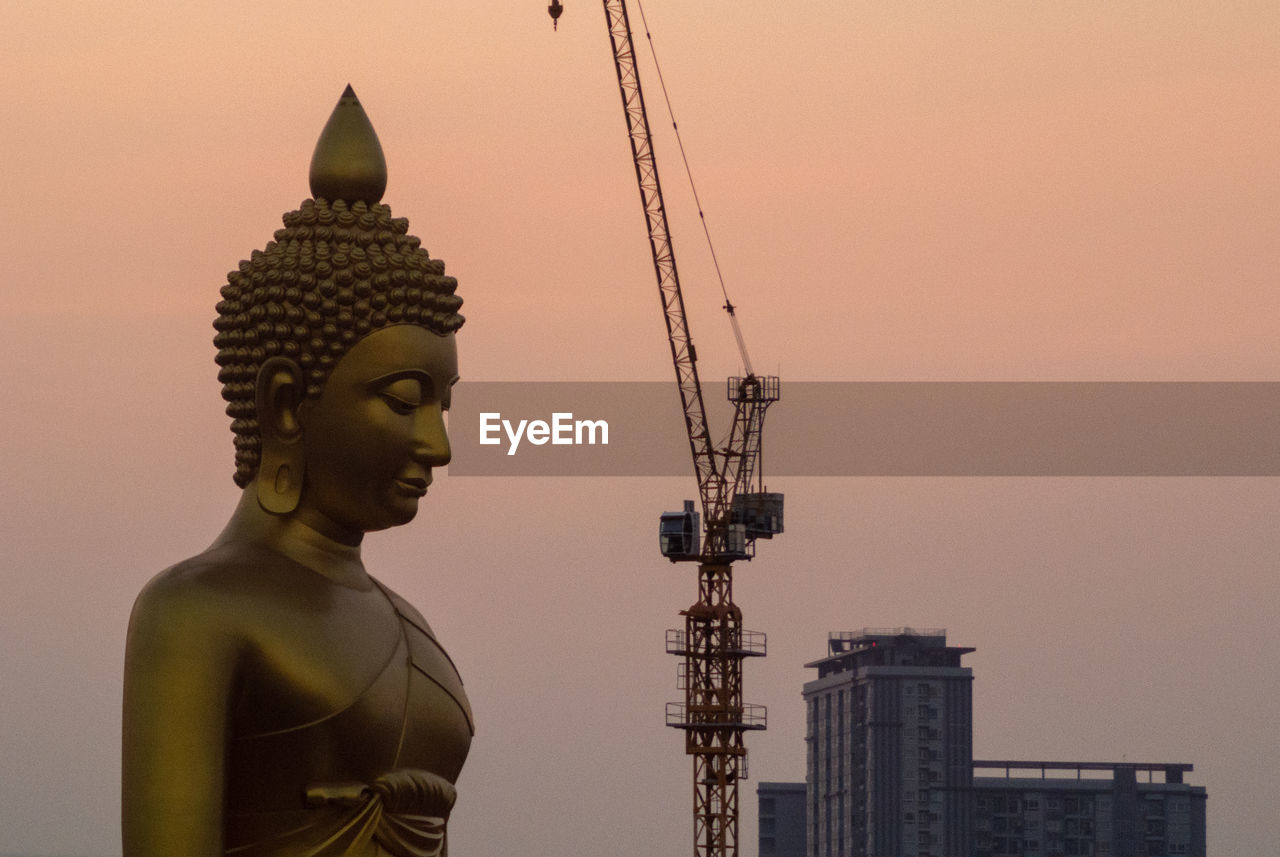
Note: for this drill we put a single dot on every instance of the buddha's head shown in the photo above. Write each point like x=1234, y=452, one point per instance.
x=327, y=297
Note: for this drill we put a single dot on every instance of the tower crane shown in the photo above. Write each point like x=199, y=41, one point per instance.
x=735, y=509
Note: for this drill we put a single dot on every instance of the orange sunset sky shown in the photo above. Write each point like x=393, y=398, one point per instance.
x=898, y=191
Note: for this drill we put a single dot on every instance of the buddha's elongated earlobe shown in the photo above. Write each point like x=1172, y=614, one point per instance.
x=280, y=479
x=283, y=464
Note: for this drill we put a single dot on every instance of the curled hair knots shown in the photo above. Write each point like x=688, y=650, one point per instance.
x=332, y=275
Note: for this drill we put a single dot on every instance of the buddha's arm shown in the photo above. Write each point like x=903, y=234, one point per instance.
x=179, y=672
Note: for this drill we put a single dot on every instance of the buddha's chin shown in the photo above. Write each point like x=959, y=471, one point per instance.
x=408, y=516
x=402, y=511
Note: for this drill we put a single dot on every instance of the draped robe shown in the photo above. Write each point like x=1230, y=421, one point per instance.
x=372, y=777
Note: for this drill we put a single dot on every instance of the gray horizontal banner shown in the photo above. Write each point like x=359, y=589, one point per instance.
x=879, y=429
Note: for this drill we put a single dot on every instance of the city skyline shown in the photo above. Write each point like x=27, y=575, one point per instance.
x=890, y=770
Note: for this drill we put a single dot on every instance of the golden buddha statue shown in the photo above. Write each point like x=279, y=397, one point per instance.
x=278, y=700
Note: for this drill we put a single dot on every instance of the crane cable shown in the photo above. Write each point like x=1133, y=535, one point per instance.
x=728, y=305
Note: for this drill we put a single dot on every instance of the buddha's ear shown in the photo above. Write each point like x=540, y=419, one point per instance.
x=279, y=394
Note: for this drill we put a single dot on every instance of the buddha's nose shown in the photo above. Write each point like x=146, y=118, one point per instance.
x=431, y=438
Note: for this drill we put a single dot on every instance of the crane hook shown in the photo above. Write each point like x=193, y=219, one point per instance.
x=554, y=11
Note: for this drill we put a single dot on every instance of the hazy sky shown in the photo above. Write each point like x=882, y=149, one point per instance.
x=921, y=191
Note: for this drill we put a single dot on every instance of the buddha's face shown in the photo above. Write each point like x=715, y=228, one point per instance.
x=375, y=432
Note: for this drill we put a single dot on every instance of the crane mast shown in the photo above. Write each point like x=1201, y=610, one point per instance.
x=735, y=509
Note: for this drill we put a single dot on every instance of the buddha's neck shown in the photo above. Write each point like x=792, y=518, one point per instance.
x=288, y=535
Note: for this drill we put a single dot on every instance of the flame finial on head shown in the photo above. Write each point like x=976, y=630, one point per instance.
x=348, y=162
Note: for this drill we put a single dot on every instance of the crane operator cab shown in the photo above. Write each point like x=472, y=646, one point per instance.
x=679, y=533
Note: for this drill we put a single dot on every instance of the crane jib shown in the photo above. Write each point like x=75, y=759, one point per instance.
x=719, y=472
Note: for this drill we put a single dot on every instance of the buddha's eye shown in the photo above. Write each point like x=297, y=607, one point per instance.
x=404, y=395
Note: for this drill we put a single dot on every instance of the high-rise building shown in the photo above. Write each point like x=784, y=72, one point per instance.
x=890, y=738
x=890, y=773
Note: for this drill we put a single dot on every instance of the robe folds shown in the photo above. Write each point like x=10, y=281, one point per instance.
x=370, y=779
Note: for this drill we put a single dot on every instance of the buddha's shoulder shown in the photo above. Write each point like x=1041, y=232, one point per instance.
x=223, y=578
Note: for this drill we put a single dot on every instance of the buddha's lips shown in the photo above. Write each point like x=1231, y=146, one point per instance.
x=413, y=485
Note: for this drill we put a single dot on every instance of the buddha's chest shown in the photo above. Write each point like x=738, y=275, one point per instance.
x=344, y=695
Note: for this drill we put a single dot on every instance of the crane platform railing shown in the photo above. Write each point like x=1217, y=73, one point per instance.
x=749, y=644
x=748, y=716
